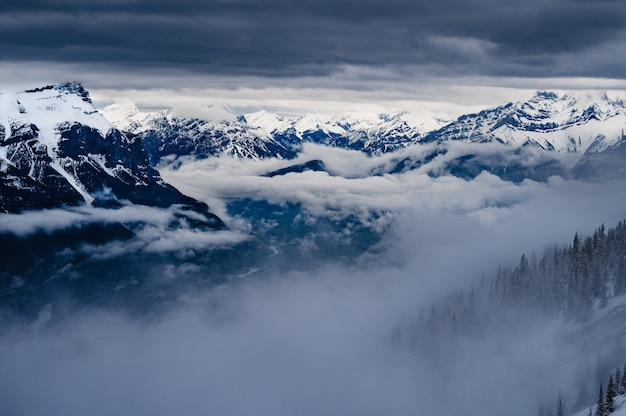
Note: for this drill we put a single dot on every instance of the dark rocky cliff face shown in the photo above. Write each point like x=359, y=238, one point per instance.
x=28, y=180
x=114, y=165
x=112, y=169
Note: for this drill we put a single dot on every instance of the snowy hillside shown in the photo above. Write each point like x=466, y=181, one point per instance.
x=47, y=108
x=620, y=408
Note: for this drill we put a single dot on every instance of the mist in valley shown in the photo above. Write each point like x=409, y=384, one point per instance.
x=339, y=334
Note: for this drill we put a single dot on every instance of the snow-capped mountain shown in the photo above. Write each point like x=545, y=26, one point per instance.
x=569, y=135
x=562, y=124
x=370, y=133
x=549, y=121
x=262, y=134
x=56, y=149
x=164, y=134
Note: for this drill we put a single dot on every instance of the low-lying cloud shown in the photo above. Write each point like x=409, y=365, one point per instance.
x=296, y=344
x=321, y=342
x=157, y=230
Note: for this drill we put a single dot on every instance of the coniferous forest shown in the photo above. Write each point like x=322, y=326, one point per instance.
x=569, y=280
x=573, y=284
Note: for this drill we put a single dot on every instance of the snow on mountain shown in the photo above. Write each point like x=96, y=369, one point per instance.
x=268, y=122
x=56, y=149
x=47, y=108
x=263, y=134
x=164, y=134
x=126, y=116
x=571, y=135
x=572, y=123
x=371, y=133
x=380, y=123
x=620, y=408
x=568, y=124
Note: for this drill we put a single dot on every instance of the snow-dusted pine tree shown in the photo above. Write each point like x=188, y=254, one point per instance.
x=611, y=392
x=600, y=407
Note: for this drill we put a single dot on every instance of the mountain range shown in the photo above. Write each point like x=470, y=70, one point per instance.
x=57, y=149
x=263, y=135
x=571, y=135
x=548, y=121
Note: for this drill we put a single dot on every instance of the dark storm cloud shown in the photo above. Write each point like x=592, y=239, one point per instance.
x=304, y=37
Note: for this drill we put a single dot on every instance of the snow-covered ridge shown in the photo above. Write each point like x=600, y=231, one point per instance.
x=165, y=134
x=569, y=122
x=572, y=123
x=343, y=123
x=48, y=108
x=263, y=134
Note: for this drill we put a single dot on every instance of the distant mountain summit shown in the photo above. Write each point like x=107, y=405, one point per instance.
x=549, y=121
x=164, y=134
x=371, y=133
x=577, y=135
x=563, y=123
x=56, y=149
x=264, y=135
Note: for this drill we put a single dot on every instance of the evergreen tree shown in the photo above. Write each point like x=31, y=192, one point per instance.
x=623, y=381
x=611, y=392
x=620, y=277
x=600, y=407
x=618, y=381
x=560, y=406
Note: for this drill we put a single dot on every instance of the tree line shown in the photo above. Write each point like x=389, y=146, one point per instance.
x=568, y=280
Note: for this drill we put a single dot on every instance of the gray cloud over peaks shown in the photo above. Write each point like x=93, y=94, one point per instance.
x=305, y=37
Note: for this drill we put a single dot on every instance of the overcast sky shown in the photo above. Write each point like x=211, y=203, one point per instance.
x=413, y=50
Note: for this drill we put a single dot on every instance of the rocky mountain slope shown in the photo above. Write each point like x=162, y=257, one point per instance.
x=549, y=121
x=263, y=135
x=56, y=149
x=572, y=135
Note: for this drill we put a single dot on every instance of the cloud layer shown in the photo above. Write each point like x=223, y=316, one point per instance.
x=302, y=37
x=156, y=230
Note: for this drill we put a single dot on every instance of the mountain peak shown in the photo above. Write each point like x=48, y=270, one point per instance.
x=264, y=120
x=546, y=95
x=582, y=99
x=564, y=122
x=71, y=88
x=121, y=114
x=75, y=88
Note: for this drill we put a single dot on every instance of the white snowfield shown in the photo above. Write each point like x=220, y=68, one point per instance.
x=127, y=116
x=47, y=109
x=233, y=138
